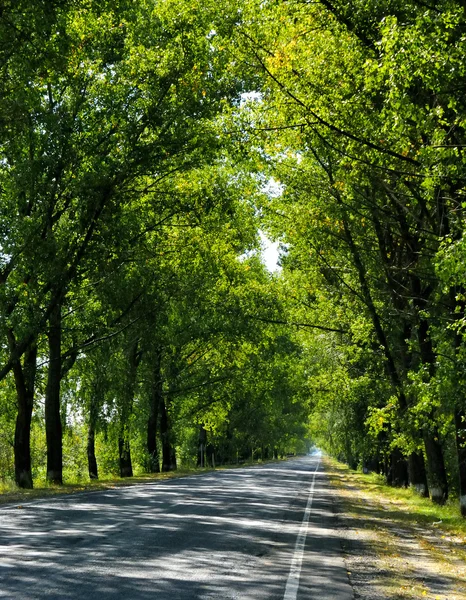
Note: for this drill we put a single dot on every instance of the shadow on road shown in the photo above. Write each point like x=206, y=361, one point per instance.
x=227, y=534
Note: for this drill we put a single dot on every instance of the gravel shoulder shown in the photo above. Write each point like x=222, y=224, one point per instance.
x=390, y=551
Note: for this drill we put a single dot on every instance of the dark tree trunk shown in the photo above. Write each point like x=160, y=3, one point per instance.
x=458, y=309
x=436, y=472
x=124, y=446
x=417, y=474
x=155, y=399
x=24, y=382
x=93, y=415
x=416, y=466
x=168, y=453
x=91, y=458
x=22, y=443
x=124, y=451
x=53, y=425
x=96, y=400
x=201, y=455
x=398, y=476
x=460, y=423
x=173, y=465
x=398, y=470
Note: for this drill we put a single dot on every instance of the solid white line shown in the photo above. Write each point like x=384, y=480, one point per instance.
x=292, y=585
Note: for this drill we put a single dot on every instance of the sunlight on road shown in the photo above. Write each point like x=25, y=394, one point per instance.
x=228, y=534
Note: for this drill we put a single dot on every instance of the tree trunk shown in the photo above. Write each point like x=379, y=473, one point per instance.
x=168, y=464
x=436, y=472
x=124, y=446
x=173, y=464
x=91, y=458
x=156, y=395
x=398, y=476
x=417, y=474
x=93, y=415
x=202, y=447
x=201, y=455
x=460, y=423
x=458, y=309
x=24, y=382
x=53, y=425
x=124, y=451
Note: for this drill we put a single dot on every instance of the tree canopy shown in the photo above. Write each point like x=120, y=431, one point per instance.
x=145, y=148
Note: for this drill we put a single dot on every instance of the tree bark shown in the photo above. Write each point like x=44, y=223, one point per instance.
x=398, y=472
x=173, y=464
x=155, y=399
x=91, y=457
x=168, y=453
x=24, y=376
x=124, y=451
x=53, y=425
x=93, y=414
x=458, y=309
x=202, y=447
x=417, y=474
x=436, y=472
x=416, y=466
x=460, y=423
x=124, y=446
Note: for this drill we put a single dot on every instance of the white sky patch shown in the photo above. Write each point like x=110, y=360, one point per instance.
x=270, y=250
x=270, y=253
x=273, y=188
x=250, y=97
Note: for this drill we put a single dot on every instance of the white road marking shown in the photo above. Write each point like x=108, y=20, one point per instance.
x=292, y=585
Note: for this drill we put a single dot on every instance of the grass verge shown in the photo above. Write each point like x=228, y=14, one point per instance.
x=398, y=545
x=412, y=508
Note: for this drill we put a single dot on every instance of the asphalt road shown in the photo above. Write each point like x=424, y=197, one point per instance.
x=251, y=534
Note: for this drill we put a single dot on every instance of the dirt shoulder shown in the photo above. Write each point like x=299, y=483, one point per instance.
x=396, y=545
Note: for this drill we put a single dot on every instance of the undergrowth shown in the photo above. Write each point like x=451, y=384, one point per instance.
x=412, y=508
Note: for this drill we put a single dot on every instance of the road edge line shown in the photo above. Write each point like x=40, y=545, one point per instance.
x=292, y=584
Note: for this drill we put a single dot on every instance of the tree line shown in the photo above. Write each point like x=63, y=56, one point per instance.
x=129, y=272
x=367, y=110
x=145, y=144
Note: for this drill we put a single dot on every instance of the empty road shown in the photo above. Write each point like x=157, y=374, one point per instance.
x=251, y=534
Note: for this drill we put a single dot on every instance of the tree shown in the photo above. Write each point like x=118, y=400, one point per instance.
x=369, y=153
x=118, y=98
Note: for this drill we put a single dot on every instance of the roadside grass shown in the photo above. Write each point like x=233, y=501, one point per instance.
x=412, y=508
x=418, y=549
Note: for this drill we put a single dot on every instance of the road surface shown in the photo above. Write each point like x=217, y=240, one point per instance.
x=250, y=534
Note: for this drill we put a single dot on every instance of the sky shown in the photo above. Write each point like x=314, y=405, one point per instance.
x=269, y=253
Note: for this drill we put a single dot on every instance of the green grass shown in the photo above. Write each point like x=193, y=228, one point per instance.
x=385, y=516
x=412, y=508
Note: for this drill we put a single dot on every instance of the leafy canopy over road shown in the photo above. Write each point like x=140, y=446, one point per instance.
x=143, y=147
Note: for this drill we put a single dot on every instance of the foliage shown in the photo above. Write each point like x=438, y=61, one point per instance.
x=144, y=145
